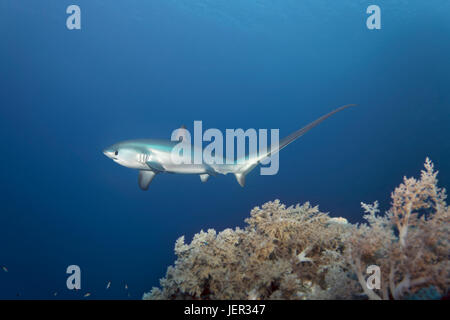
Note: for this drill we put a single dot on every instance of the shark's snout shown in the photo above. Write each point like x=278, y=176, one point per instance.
x=109, y=153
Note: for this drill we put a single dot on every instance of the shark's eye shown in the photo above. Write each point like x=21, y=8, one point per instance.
x=116, y=153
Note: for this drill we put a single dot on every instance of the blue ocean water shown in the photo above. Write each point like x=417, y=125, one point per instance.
x=140, y=69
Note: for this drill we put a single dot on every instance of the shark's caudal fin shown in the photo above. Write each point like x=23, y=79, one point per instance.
x=252, y=163
x=297, y=134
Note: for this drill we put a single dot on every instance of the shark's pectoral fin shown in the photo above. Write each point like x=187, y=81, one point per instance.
x=204, y=177
x=154, y=165
x=240, y=177
x=145, y=177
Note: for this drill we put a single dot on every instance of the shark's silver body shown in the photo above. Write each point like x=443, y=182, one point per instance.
x=152, y=156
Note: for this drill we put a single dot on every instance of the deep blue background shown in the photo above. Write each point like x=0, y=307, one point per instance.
x=142, y=68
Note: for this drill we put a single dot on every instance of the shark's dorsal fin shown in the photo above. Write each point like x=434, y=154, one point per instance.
x=183, y=135
x=145, y=177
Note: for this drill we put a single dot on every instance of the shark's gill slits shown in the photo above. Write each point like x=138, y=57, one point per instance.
x=142, y=157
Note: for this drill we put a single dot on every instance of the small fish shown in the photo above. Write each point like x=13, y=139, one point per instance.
x=55, y=294
x=108, y=285
x=126, y=286
x=87, y=294
x=5, y=268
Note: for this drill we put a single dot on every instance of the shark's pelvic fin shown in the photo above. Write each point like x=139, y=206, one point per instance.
x=145, y=177
x=240, y=177
x=204, y=177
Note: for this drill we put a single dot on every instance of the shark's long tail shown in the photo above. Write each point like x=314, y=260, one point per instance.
x=252, y=163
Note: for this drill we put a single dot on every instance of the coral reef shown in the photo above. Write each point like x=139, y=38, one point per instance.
x=302, y=253
x=284, y=253
x=410, y=243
